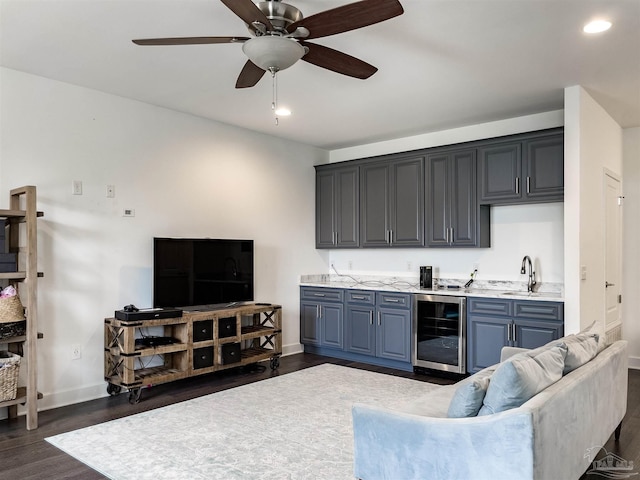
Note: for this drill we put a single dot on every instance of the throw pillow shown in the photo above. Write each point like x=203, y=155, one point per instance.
x=521, y=377
x=580, y=349
x=593, y=329
x=468, y=397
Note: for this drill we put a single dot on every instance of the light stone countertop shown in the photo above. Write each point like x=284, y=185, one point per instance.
x=553, y=292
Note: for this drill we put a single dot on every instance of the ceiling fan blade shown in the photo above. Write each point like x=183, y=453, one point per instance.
x=348, y=17
x=250, y=75
x=189, y=40
x=248, y=12
x=338, y=62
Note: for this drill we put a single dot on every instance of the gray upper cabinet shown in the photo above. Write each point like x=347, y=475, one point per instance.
x=435, y=197
x=337, y=207
x=452, y=215
x=391, y=203
x=544, y=162
x=522, y=170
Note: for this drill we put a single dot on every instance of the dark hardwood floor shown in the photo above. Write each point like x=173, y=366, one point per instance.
x=25, y=455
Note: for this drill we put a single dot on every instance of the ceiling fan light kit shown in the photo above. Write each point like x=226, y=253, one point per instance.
x=270, y=52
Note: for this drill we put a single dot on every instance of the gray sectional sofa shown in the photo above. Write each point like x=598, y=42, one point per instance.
x=549, y=436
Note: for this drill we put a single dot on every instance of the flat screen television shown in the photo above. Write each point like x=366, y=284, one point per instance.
x=190, y=272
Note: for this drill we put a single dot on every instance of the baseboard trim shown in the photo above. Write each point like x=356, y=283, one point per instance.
x=292, y=349
x=634, y=362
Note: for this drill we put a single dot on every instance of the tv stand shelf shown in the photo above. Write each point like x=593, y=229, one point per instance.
x=204, y=341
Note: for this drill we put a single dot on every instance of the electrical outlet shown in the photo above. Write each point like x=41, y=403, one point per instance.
x=111, y=191
x=350, y=265
x=409, y=266
x=128, y=212
x=76, y=187
x=76, y=351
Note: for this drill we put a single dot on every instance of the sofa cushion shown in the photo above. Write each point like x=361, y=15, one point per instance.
x=523, y=376
x=580, y=349
x=468, y=397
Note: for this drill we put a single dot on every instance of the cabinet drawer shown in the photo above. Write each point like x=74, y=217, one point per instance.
x=227, y=327
x=322, y=294
x=398, y=300
x=202, y=357
x=489, y=306
x=539, y=310
x=202, y=330
x=362, y=297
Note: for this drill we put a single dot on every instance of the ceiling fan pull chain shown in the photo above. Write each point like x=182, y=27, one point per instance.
x=274, y=94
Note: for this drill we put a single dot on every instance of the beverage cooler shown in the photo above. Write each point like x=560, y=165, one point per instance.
x=439, y=333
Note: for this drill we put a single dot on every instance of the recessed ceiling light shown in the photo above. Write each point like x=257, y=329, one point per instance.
x=597, y=26
x=283, y=112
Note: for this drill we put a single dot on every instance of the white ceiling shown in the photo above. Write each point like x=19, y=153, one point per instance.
x=442, y=64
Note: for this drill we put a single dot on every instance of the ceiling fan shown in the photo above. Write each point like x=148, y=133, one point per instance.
x=280, y=34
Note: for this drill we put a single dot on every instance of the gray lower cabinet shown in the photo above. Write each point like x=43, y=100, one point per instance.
x=322, y=317
x=453, y=218
x=360, y=327
x=375, y=327
x=522, y=170
x=391, y=203
x=495, y=323
x=378, y=324
x=337, y=207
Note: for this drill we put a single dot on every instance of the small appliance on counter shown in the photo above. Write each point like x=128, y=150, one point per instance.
x=426, y=277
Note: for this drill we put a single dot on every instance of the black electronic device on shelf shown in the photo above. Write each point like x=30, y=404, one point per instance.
x=153, y=341
x=201, y=271
x=130, y=313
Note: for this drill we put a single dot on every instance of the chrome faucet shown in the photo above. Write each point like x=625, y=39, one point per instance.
x=532, y=275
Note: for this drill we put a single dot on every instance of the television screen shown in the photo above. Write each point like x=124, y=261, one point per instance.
x=192, y=272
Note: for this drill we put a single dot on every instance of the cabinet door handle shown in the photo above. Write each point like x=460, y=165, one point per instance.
x=518, y=185
x=508, y=332
x=515, y=332
x=451, y=236
x=394, y=300
x=319, y=294
x=379, y=321
x=336, y=243
x=317, y=311
x=528, y=185
x=371, y=317
x=358, y=297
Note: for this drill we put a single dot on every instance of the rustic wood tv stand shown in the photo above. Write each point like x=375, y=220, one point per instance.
x=205, y=341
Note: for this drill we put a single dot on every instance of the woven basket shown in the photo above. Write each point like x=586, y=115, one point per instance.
x=9, y=370
x=11, y=310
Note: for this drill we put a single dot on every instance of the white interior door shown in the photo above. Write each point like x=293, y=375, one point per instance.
x=613, y=249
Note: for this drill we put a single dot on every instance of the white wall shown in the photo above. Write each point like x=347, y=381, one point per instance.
x=469, y=133
x=534, y=230
x=183, y=175
x=593, y=143
x=631, y=245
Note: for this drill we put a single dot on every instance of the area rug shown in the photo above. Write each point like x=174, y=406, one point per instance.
x=293, y=426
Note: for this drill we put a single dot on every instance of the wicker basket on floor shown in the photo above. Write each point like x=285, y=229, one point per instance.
x=9, y=371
